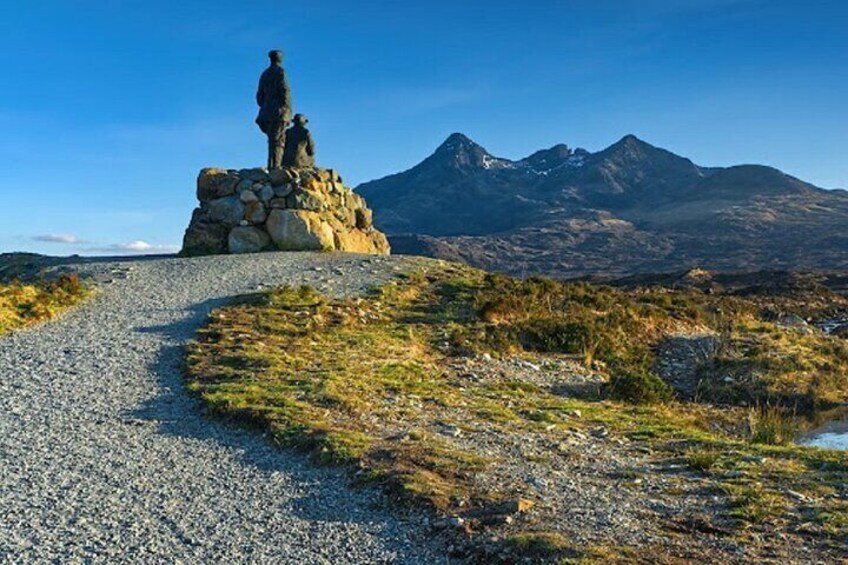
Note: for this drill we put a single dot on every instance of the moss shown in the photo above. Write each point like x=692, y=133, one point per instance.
x=25, y=304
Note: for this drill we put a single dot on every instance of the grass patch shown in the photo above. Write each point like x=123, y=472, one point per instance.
x=772, y=425
x=702, y=459
x=540, y=547
x=24, y=304
x=753, y=502
x=368, y=383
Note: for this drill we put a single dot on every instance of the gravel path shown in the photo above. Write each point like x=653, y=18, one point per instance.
x=104, y=457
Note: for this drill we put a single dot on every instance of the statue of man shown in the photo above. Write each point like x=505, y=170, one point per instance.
x=300, y=149
x=274, y=99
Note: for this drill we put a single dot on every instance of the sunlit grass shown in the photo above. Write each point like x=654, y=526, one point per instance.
x=364, y=382
x=25, y=304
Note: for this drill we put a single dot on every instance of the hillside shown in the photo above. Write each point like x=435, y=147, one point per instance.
x=631, y=207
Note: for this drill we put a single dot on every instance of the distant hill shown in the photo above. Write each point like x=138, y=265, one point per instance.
x=629, y=208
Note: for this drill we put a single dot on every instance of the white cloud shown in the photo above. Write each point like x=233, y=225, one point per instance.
x=137, y=246
x=65, y=238
x=141, y=246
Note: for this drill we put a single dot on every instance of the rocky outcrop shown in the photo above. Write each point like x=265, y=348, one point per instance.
x=254, y=210
x=680, y=356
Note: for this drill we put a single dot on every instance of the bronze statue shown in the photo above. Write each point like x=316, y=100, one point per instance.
x=300, y=149
x=274, y=99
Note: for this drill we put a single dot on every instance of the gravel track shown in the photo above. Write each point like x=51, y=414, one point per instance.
x=105, y=457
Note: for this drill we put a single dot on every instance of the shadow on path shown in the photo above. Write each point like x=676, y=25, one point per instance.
x=176, y=412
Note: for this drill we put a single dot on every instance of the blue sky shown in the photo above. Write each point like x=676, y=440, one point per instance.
x=108, y=109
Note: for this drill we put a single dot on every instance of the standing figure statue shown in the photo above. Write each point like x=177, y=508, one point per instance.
x=300, y=149
x=274, y=99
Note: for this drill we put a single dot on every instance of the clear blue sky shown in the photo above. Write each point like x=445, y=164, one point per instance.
x=108, y=109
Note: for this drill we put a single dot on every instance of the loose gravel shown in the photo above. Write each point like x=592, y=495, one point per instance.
x=104, y=457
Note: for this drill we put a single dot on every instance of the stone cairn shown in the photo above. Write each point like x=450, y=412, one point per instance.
x=290, y=209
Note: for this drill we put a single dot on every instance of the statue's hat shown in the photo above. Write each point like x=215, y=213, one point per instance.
x=300, y=119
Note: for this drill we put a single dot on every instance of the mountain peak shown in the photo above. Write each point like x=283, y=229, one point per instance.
x=631, y=140
x=457, y=137
x=461, y=152
x=458, y=142
x=558, y=152
x=631, y=148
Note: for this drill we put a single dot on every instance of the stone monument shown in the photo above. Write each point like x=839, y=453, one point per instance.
x=291, y=205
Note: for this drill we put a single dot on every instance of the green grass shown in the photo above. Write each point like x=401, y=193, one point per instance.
x=702, y=459
x=25, y=304
x=772, y=425
x=364, y=382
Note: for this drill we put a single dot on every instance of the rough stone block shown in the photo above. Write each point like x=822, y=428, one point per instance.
x=247, y=240
x=299, y=230
x=255, y=213
x=215, y=183
x=364, y=218
x=228, y=210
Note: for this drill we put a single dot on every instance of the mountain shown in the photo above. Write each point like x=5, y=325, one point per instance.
x=629, y=208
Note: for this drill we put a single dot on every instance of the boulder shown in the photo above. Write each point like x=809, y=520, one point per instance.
x=283, y=190
x=247, y=240
x=364, y=218
x=357, y=241
x=265, y=193
x=299, y=230
x=248, y=196
x=306, y=200
x=228, y=210
x=254, y=175
x=255, y=213
x=202, y=238
x=282, y=176
x=215, y=183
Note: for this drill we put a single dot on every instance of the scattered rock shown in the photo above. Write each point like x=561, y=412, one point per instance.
x=456, y=521
x=840, y=330
x=452, y=431
x=792, y=321
x=516, y=506
x=600, y=432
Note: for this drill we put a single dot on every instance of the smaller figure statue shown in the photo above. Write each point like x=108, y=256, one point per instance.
x=274, y=99
x=300, y=149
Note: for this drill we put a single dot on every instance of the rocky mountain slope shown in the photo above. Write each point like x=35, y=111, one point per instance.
x=631, y=207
